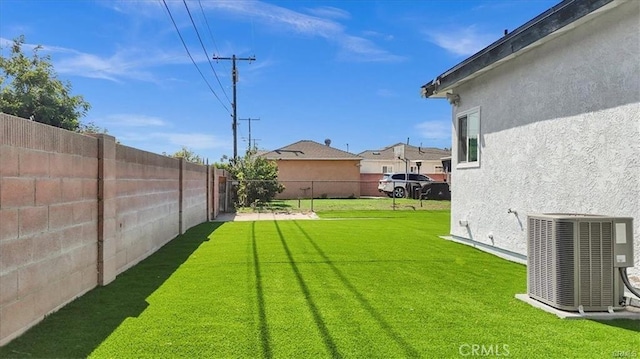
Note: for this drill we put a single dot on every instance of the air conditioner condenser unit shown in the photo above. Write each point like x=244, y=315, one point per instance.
x=573, y=260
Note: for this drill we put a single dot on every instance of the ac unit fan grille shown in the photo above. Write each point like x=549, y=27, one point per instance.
x=565, y=270
x=596, y=264
x=571, y=262
x=551, y=261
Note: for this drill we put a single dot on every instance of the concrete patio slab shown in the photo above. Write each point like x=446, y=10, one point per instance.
x=267, y=216
x=627, y=313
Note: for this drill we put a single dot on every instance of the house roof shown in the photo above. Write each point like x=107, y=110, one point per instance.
x=566, y=15
x=309, y=150
x=410, y=152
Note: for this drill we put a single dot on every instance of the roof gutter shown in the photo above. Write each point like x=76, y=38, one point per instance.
x=557, y=17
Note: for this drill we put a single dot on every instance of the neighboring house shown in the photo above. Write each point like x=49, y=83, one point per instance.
x=547, y=120
x=377, y=162
x=308, y=168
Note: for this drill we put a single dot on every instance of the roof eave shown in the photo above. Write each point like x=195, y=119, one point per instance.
x=531, y=34
x=314, y=159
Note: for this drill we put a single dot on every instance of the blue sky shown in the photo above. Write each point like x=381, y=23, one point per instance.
x=349, y=71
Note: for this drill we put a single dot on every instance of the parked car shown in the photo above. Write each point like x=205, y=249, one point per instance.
x=396, y=184
x=436, y=190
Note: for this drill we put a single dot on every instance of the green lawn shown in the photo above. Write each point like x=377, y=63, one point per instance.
x=323, y=205
x=361, y=284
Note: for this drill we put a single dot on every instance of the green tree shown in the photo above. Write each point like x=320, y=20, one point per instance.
x=224, y=163
x=91, y=127
x=257, y=179
x=30, y=88
x=188, y=155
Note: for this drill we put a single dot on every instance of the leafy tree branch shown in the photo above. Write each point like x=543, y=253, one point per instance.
x=30, y=88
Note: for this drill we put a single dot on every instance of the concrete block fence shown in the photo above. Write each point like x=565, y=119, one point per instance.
x=77, y=210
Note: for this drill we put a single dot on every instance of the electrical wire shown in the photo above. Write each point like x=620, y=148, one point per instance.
x=253, y=37
x=191, y=57
x=625, y=279
x=215, y=45
x=205, y=51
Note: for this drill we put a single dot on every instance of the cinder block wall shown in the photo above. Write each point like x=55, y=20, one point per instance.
x=194, y=194
x=77, y=210
x=48, y=220
x=147, y=202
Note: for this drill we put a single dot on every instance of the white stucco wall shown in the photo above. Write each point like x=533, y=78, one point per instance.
x=375, y=166
x=560, y=132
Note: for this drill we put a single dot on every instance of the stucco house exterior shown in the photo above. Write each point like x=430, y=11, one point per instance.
x=377, y=162
x=308, y=168
x=547, y=120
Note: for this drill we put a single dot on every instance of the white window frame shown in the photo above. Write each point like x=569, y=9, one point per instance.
x=467, y=163
x=389, y=169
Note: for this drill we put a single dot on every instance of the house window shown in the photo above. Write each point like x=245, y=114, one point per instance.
x=468, y=124
x=387, y=169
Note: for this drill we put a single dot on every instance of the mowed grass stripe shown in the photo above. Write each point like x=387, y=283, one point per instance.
x=388, y=287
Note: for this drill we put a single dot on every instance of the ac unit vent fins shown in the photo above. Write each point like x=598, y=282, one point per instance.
x=571, y=261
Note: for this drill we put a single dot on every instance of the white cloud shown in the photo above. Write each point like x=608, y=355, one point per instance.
x=5, y=43
x=137, y=7
x=366, y=50
x=124, y=64
x=379, y=35
x=278, y=16
x=353, y=48
x=464, y=41
x=435, y=130
x=155, y=134
x=161, y=141
x=330, y=12
x=129, y=63
x=70, y=61
x=194, y=140
x=130, y=120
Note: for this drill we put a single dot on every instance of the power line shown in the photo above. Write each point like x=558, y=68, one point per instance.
x=205, y=50
x=191, y=57
x=215, y=45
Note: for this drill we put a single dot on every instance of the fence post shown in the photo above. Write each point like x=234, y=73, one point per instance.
x=227, y=184
x=216, y=202
x=208, y=189
x=107, y=211
x=311, y=196
x=181, y=185
x=393, y=194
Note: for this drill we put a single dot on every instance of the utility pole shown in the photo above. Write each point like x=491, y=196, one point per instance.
x=255, y=140
x=234, y=78
x=250, y=119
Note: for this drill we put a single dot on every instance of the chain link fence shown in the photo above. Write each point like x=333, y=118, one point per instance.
x=306, y=195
